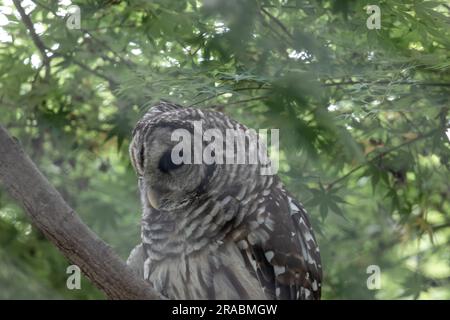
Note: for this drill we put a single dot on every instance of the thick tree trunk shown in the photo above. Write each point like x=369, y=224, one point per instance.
x=61, y=225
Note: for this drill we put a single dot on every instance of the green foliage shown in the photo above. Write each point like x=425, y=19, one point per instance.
x=363, y=118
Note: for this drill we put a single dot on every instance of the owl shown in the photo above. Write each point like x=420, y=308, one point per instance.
x=217, y=230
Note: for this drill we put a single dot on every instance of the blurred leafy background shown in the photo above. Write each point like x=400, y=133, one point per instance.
x=363, y=118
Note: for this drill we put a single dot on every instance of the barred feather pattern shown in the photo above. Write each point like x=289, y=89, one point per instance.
x=242, y=236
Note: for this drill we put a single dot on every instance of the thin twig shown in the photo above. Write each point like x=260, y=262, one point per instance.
x=248, y=100
x=278, y=22
x=225, y=92
x=112, y=82
x=345, y=83
x=380, y=155
x=34, y=37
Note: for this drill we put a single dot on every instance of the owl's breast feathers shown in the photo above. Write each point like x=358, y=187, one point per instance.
x=246, y=246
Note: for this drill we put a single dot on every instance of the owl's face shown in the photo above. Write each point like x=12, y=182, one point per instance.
x=166, y=185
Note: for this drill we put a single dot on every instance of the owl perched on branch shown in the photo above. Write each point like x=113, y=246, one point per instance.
x=216, y=230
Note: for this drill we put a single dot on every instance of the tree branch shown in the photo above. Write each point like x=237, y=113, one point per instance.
x=34, y=36
x=62, y=226
x=112, y=82
x=278, y=23
x=411, y=83
x=380, y=155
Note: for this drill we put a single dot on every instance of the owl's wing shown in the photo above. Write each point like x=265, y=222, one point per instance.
x=283, y=251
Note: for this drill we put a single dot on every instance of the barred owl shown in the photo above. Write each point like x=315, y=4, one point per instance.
x=216, y=231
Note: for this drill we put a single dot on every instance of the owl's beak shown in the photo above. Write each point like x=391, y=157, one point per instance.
x=154, y=198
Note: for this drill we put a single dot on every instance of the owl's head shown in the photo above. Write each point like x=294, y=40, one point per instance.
x=170, y=175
